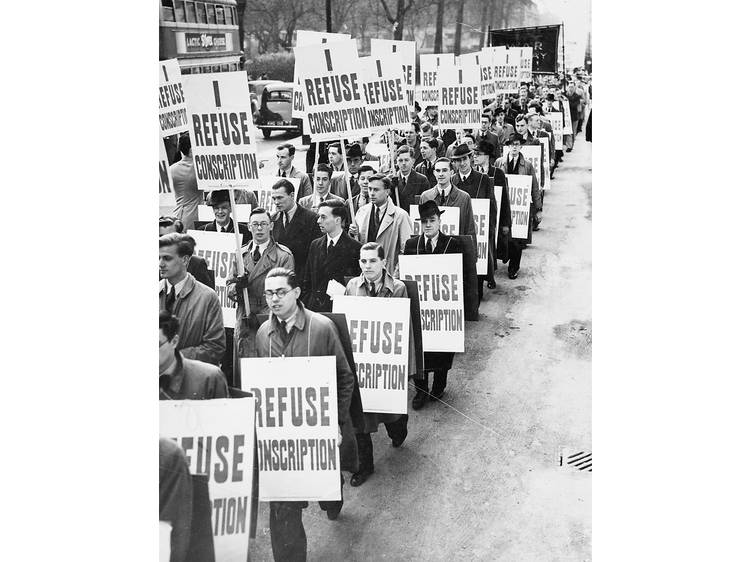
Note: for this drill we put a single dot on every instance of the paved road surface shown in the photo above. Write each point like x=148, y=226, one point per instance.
x=478, y=477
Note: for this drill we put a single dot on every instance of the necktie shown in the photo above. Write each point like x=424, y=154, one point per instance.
x=284, y=219
x=256, y=254
x=373, y=293
x=330, y=246
x=283, y=174
x=442, y=197
x=377, y=215
x=428, y=246
x=171, y=296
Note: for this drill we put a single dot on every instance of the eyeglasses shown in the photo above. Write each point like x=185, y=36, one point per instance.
x=280, y=293
x=259, y=224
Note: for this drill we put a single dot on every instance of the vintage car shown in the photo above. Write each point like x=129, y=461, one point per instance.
x=256, y=89
x=275, y=113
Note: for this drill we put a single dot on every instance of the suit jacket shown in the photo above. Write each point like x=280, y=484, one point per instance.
x=244, y=231
x=493, y=139
x=198, y=268
x=297, y=236
x=408, y=194
x=343, y=261
x=394, y=231
x=338, y=185
x=480, y=186
x=456, y=198
x=201, y=321
x=428, y=171
x=194, y=380
x=305, y=186
x=310, y=201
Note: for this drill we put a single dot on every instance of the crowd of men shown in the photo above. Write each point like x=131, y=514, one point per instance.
x=292, y=256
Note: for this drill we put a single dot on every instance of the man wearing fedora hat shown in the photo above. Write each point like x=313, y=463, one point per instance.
x=446, y=194
x=478, y=186
x=432, y=241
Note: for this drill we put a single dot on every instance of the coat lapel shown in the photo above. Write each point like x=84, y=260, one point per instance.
x=390, y=211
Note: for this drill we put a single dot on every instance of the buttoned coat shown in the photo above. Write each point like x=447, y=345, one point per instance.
x=394, y=231
x=479, y=186
x=297, y=236
x=409, y=193
x=201, y=321
x=305, y=186
x=456, y=198
x=524, y=168
x=322, y=266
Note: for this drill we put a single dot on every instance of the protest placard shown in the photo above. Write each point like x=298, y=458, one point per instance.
x=498, y=198
x=486, y=78
x=173, y=118
x=506, y=69
x=217, y=437
x=265, y=191
x=519, y=195
x=459, y=105
x=567, y=123
x=308, y=37
x=297, y=425
x=206, y=213
x=331, y=78
x=379, y=330
x=222, y=132
x=385, y=92
x=531, y=153
x=556, y=120
x=449, y=220
x=440, y=281
x=407, y=51
x=428, y=92
x=546, y=182
x=481, y=208
x=165, y=541
x=524, y=66
x=219, y=250
x=167, y=201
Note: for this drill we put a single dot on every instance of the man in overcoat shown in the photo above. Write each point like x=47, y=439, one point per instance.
x=383, y=222
x=447, y=195
x=408, y=183
x=432, y=241
x=322, y=191
x=294, y=331
x=259, y=257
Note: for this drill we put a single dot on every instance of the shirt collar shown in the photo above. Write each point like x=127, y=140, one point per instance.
x=261, y=247
x=335, y=239
x=228, y=226
x=177, y=287
x=320, y=199
x=447, y=190
x=290, y=212
x=299, y=319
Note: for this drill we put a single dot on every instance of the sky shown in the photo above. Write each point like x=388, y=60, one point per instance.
x=576, y=15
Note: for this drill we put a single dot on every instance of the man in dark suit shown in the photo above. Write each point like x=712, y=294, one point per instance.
x=432, y=241
x=426, y=167
x=331, y=258
x=486, y=135
x=219, y=202
x=293, y=226
x=478, y=186
x=409, y=183
x=197, y=266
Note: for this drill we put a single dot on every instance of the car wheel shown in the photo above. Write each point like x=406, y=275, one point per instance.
x=267, y=133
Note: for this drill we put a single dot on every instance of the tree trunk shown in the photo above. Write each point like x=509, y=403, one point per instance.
x=439, y=27
x=241, y=23
x=398, y=25
x=459, y=28
x=328, y=16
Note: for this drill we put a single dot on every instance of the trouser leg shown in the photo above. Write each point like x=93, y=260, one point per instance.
x=364, y=449
x=439, y=382
x=514, y=255
x=397, y=430
x=422, y=385
x=335, y=505
x=227, y=362
x=288, y=539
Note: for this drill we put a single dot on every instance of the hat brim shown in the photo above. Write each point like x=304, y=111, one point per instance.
x=459, y=156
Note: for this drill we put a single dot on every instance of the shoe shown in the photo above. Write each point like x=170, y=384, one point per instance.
x=434, y=396
x=512, y=274
x=536, y=227
x=359, y=478
x=491, y=284
x=398, y=442
x=418, y=401
x=568, y=150
x=333, y=513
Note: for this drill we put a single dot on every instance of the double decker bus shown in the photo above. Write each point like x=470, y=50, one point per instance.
x=202, y=36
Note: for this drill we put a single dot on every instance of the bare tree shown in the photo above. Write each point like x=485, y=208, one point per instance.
x=398, y=19
x=439, y=27
x=459, y=28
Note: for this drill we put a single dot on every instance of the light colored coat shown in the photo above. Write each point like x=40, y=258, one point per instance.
x=394, y=231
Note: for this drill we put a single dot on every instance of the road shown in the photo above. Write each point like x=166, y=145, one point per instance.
x=479, y=476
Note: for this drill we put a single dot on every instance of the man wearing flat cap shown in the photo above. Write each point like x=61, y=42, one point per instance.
x=447, y=195
x=432, y=241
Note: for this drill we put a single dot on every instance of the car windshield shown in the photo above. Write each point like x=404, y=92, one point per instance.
x=280, y=95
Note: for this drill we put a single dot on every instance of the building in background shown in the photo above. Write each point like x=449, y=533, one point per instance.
x=202, y=36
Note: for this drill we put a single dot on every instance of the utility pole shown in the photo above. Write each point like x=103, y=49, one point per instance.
x=439, y=27
x=329, y=24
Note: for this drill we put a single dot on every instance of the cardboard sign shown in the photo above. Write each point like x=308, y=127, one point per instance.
x=307, y=37
x=385, y=92
x=265, y=191
x=331, y=78
x=297, y=425
x=173, y=118
x=506, y=69
x=222, y=132
x=407, y=51
x=532, y=153
x=167, y=201
x=206, y=213
x=219, y=250
x=379, y=330
x=481, y=208
x=519, y=195
x=486, y=77
x=449, y=220
x=428, y=92
x=165, y=541
x=546, y=182
x=217, y=437
x=524, y=67
x=440, y=281
x=556, y=120
x=567, y=122
x=459, y=105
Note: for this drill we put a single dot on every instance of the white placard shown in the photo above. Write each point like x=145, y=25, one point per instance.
x=449, y=220
x=206, y=213
x=428, y=92
x=219, y=250
x=407, y=50
x=167, y=201
x=297, y=425
x=379, y=330
x=546, y=182
x=556, y=120
x=385, y=92
x=481, y=208
x=567, y=123
x=459, y=105
x=222, y=132
x=173, y=118
x=440, y=281
x=524, y=67
x=519, y=195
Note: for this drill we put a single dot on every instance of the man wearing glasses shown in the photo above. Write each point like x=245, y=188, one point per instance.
x=259, y=257
x=294, y=331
